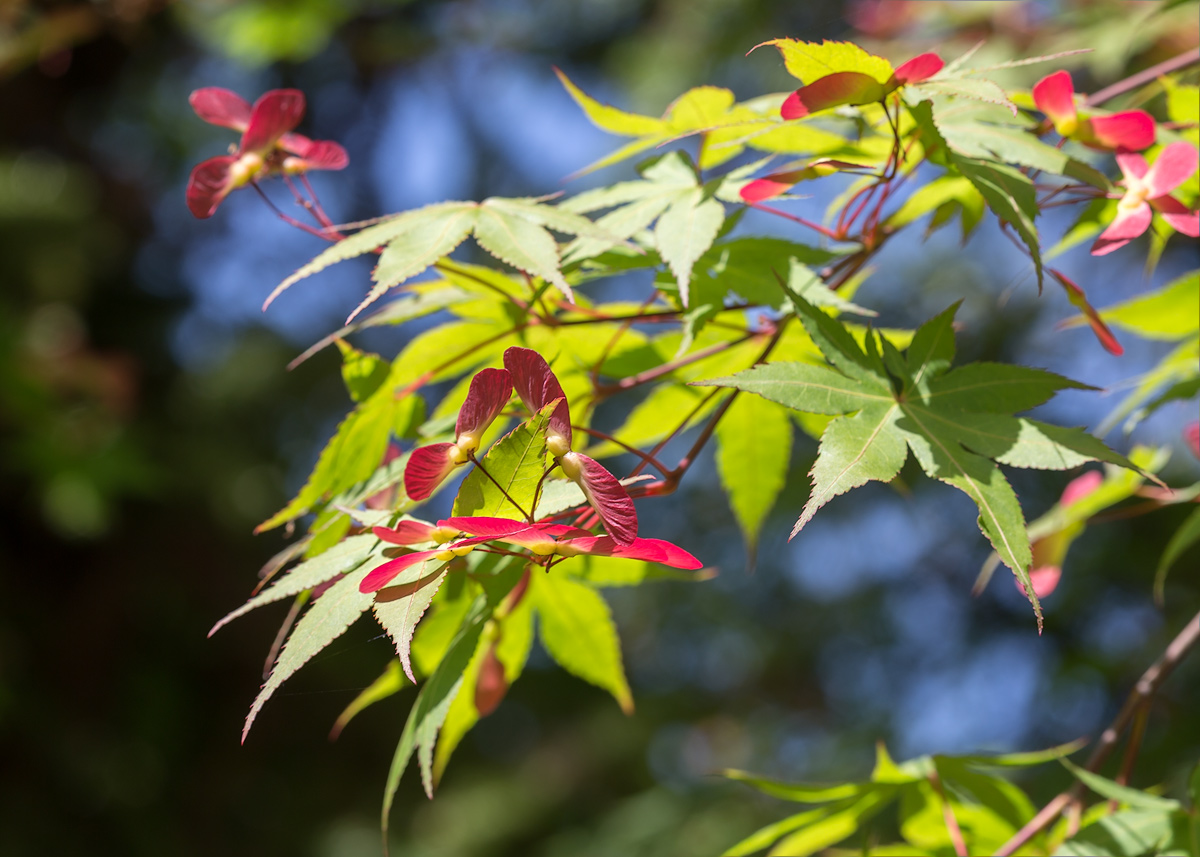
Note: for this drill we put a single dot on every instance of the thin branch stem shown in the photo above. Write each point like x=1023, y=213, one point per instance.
x=649, y=459
x=669, y=367
x=1141, y=693
x=319, y=211
x=517, y=302
x=956, y=835
x=684, y=463
x=479, y=464
x=816, y=227
x=658, y=447
x=289, y=220
x=1143, y=77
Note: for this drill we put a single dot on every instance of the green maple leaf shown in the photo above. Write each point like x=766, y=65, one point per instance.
x=515, y=231
x=959, y=423
x=689, y=215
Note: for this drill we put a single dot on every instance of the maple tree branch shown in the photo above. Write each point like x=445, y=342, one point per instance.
x=956, y=836
x=513, y=299
x=291, y=221
x=1142, y=77
x=684, y=463
x=1141, y=693
x=816, y=227
x=1136, y=733
x=649, y=459
x=604, y=390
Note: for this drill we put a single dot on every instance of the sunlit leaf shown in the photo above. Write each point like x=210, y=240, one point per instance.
x=1183, y=538
x=810, y=61
x=754, y=445
x=515, y=465
x=327, y=619
x=577, y=630
x=340, y=558
x=957, y=422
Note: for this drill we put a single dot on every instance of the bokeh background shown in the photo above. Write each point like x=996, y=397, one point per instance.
x=147, y=423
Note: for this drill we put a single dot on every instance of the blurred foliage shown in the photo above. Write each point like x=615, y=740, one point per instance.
x=131, y=478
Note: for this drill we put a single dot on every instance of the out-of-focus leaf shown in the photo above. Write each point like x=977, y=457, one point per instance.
x=1122, y=794
x=388, y=684
x=1169, y=313
x=763, y=838
x=433, y=702
x=972, y=88
x=800, y=792
x=1131, y=833
x=604, y=571
x=1011, y=197
x=361, y=372
x=747, y=267
x=754, y=446
x=611, y=118
x=1178, y=369
x=1092, y=219
x=1023, y=760
x=513, y=641
x=929, y=196
x=1186, y=536
x=577, y=630
x=834, y=827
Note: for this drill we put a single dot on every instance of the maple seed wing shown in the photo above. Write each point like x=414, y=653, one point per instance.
x=606, y=495
x=1181, y=218
x=1054, y=96
x=218, y=106
x=405, y=533
x=772, y=185
x=491, y=527
x=1133, y=129
x=489, y=392
x=491, y=685
x=426, y=468
x=1130, y=223
x=1174, y=166
x=917, y=69
x=537, y=386
x=208, y=185
x=276, y=113
x=832, y=90
x=382, y=575
x=323, y=155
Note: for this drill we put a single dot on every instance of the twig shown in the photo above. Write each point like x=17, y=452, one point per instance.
x=603, y=390
x=1136, y=733
x=956, y=836
x=1142, y=77
x=1145, y=688
x=649, y=459
x=528, y=517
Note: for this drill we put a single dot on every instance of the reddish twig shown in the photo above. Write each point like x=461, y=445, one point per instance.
x=1141, y=693
x=956, y=835
x=1143, y=77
